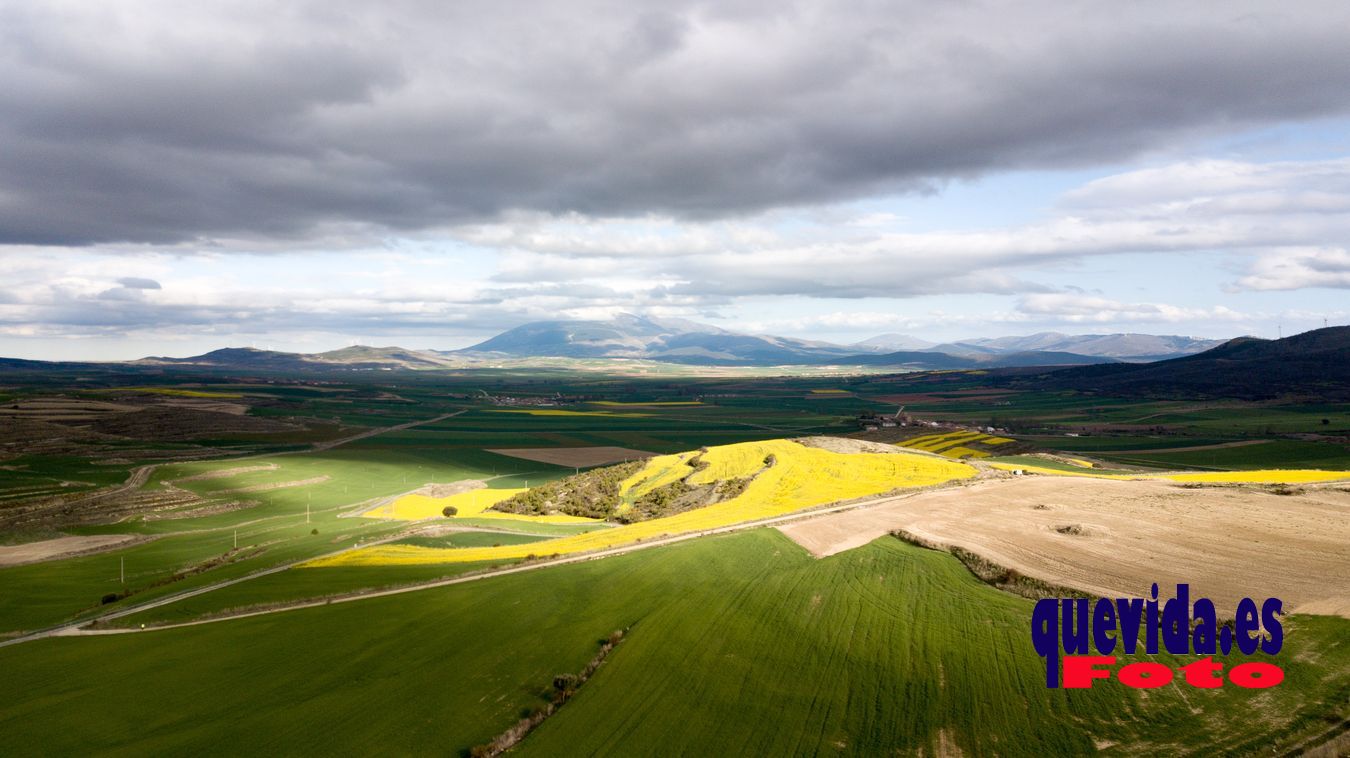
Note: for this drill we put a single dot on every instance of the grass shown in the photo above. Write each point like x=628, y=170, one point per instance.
x=739, y=644
x=1263, y=455
x=273, y=531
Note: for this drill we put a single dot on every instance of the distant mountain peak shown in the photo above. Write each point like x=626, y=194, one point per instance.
x=892, y=341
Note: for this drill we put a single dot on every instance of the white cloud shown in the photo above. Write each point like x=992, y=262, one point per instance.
x=1257, y=212
x=1278, y=225
x=1298, y=269
x=1084, y=309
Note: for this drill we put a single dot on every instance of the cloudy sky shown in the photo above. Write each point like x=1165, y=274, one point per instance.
x=177, y=177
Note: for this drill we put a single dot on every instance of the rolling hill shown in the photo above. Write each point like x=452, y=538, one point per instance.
x=1315, y=363
x=925, y=360
x=672, y=340
x=1126, y=347
x=354, y=357
x=680, y=341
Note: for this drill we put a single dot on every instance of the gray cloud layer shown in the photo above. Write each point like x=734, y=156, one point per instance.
x=163, y=122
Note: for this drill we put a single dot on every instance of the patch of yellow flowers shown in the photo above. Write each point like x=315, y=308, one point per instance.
x=799, y=477
x=1263, y=476
x=471, y=504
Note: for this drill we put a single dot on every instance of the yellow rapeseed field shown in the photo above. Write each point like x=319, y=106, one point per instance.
x=659, y=471
x=1268, y=476
x=954, y=444
x=176, y=392
x=1060, y=472
x=471, y=504
x=1264, y=476
x=661, y=403
x=801, y=477
x=558, y=412
x=964, y=452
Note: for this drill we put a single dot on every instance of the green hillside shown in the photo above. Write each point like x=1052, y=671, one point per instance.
x=739, y=644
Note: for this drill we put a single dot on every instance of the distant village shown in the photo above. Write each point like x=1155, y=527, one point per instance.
x=871, y=422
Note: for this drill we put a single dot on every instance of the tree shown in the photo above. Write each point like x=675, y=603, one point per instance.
x=449, y=511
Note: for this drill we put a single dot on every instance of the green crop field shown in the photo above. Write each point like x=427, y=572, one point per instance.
x=739, y=644
x=1291, y=454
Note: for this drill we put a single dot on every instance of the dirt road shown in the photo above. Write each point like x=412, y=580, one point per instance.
x=63, y=547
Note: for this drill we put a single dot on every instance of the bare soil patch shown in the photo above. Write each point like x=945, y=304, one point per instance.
x=274, y=485
x=204, y=404
x=858, y=445
x=224, y=472
x=575, y=456
x=62, y=547
x=850, y=445
x=63, y=409
x=440, y=490
x=436, y=490
x=1226, y=543
x=176, y=422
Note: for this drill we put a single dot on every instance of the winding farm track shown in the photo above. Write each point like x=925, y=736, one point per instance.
x=1018, y=522
x=141, y=474
x=79, y=628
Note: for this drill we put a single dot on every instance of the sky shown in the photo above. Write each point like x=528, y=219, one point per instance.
x=180, y=177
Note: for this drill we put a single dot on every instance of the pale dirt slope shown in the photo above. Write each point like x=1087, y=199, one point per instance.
x=61, y=547
x=1226, y=542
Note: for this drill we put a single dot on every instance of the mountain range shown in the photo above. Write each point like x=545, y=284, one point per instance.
x=1313, y=364
x=691, y=343
x=680, y=341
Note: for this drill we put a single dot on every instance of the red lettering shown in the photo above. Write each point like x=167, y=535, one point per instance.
x=1144, y=675
x=1080, y=670
x=1204, y=673
x=1254, y=675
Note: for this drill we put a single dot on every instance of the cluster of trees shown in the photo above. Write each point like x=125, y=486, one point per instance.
x=595, y=494
x=592, y=494
x=729, y=488
x=664, y=501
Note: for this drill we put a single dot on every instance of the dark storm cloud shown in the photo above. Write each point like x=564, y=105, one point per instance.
x=167, y=122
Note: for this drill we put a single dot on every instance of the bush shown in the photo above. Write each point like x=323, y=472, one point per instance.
x=314, y=531
x=111, y=597
x=449, y=511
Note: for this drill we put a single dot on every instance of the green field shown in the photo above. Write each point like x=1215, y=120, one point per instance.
x=195, y=542
x=736, y=645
